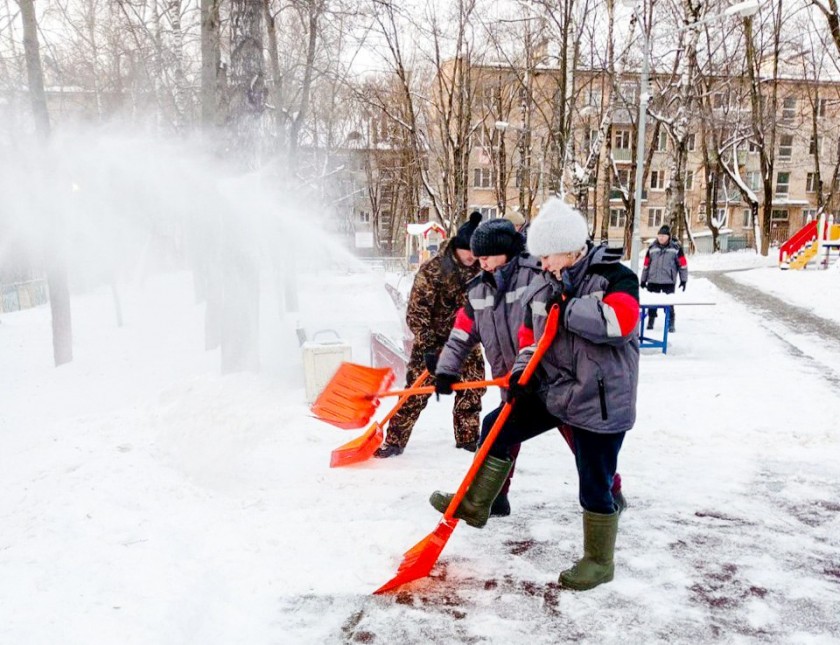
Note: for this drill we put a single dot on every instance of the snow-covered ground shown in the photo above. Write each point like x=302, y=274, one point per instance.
x=817, y=290
x=147, y=499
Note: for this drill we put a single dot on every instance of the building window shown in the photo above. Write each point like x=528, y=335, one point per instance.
x=782, y=184
x=483, y=178
x=689, y=180
x=811, y=182
x=785, y=146
x=721, y=218
x=753, y=147
x=719, y=100
x=619, y=183
x=655, y=217
x=657, y=179
x=809, y=214
x=779, y=215
x=492, y=96
x=487, y=212
x=746, y=217
x=814, y=146
x=821, y=106
x=364, y=217
x=789, y=108
x=662, y=141
x=754, y=180
x=622, y=140
x=618, y=217
x=629, y=91
x=691, y=142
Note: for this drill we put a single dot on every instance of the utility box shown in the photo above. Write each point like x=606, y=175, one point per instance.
x=321, y=359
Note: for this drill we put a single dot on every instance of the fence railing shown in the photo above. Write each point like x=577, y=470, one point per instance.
x=390, y=263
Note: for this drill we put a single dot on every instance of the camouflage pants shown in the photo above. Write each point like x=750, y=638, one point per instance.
x=465, y=414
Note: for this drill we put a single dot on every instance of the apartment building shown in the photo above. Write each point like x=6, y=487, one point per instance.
x=513, y=166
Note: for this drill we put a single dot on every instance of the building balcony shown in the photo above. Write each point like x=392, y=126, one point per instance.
x=622, y=154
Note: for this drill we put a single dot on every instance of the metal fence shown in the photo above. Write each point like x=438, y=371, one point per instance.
x=390, y=263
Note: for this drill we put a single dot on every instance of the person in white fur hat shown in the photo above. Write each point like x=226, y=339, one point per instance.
x=588, y=377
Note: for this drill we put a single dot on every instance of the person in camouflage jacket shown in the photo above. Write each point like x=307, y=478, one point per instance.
x=438, y=292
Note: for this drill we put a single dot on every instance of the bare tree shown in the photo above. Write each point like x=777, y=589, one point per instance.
x=62, y=326
x=831, y=10
x=439, y=117
x=764, y=101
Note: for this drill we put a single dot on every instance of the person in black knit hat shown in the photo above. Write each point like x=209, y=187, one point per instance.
x=465, y=231
x=439, y=289
x=664, y=262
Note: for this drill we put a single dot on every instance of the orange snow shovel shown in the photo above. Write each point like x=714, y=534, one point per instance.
x=351, y=397
x=419, y=559
x=361, y=448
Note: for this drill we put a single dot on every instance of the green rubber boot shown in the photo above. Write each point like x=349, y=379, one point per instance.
x=475, y=507
x=597, y=566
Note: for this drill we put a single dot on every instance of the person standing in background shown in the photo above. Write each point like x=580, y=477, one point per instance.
x=664, y=261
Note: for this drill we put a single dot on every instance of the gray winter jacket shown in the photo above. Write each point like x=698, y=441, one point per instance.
x=493, y=316
x=591, y=371
x=663, y=262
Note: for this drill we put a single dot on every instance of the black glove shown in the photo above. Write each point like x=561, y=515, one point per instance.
x=515, y=390
x=430, y=359
x=643, y=284
x=682, y=284
x=443, y=384
x=561, y=299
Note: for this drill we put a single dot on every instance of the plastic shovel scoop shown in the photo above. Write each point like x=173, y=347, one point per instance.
x=363, y=447
x=351, y=397
x=345, y=401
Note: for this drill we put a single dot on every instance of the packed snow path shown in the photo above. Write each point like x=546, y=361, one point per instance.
x=808, y=336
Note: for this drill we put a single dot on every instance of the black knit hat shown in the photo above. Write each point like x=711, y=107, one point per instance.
x=664, y=230
x=496, y=237
x=465, y=231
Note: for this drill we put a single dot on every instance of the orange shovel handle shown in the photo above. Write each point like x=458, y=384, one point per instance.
x=533, y=363
x=405, y=395
x=502, y=381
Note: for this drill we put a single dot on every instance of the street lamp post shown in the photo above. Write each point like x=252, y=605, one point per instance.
x=644, y=98
x=742, y=10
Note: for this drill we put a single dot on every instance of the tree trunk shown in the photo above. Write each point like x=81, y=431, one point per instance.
x=62, y=324
x=210, y=60
x=239, y=251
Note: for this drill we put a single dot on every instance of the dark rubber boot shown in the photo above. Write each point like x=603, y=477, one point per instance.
x=500, y=507
x=597, y=566
x=387, y=450
x=651, y=320
x=475, y=507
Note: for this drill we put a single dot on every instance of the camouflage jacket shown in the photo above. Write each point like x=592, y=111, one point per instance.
x=439, y=290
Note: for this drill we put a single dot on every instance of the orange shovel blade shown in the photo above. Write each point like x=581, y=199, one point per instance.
x=418, y=560
x=346, y=401
x=360, y=449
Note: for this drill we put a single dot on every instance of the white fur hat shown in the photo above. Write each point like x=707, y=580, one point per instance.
x=558, y=228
